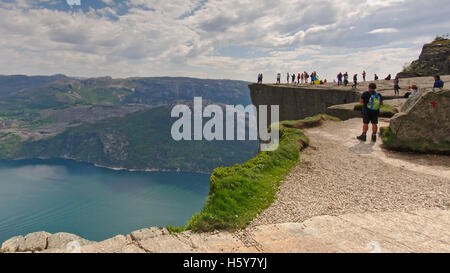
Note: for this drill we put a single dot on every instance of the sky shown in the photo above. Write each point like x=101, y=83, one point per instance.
x=220, y=39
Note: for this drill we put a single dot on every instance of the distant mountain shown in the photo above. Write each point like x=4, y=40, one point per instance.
x=61, y=91
x=14, y=83
x=140, y=140
x=121, y=123
x=434, y=59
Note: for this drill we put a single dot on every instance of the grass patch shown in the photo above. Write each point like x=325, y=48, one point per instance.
x=239, y=193
x=309, y=122
x=386, y=110
x=391, y=141
x=174, y=230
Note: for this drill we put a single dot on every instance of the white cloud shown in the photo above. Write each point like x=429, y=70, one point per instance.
x=217, y=39
x=383, y=30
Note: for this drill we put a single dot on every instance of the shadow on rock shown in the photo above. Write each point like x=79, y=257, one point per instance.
x=363, y=148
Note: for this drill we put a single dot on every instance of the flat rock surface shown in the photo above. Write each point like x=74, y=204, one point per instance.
x=339, y=175
x=417, y=231
x=346, y=196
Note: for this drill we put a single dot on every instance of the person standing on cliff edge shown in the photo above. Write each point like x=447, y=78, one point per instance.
x=339, y=77
x=396, y=86
x=355, y=81
x=372, y=102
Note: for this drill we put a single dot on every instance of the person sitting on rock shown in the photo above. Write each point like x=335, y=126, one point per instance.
x=389, y=77
x=438, y=83
x=412, y=90
x=372, y=102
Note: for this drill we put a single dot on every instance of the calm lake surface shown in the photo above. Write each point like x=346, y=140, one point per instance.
x=95, y=203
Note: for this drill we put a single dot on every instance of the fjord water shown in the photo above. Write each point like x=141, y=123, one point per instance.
x=95, y=203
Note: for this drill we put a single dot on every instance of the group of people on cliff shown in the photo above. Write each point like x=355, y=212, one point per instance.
x=343, y=80
x=300, y=78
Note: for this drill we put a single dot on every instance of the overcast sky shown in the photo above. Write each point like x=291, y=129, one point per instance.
x=215, y=39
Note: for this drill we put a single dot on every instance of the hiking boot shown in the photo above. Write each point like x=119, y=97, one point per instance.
x=362, y=137
x=374, y=137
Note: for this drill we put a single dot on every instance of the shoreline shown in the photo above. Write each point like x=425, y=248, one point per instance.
x=112, y=168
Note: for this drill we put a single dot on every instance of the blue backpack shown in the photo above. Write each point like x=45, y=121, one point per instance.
x=374, y=103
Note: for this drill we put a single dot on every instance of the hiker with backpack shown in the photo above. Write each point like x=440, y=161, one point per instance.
x=372, y=102
x=339, y=77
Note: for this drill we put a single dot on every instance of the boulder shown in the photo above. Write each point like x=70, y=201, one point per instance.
x=12, y=245
x=62, y=239
x=146, y=233
x=36, y=241
x=425, y=116
x=118, y=244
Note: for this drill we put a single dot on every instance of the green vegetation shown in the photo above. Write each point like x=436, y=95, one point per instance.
x=239, y=193
x=418, y=68
x=140, y=140
x=429, y=64
x=174, y=230
x=386, y=110
x=24, y=118
x=444, y=39
x=9, y=145
x=391, y=141
x=309, y=122
x=137, y=141
x=61, y=92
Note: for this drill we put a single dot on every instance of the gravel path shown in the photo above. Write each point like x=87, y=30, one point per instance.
x=335, y=179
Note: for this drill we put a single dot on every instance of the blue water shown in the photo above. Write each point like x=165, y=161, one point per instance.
x=94, y=203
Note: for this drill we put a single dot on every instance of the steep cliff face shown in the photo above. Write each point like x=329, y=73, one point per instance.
x=298, y=102
x=434, y=59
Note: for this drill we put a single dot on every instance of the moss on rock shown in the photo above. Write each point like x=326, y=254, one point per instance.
x=419, y=145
